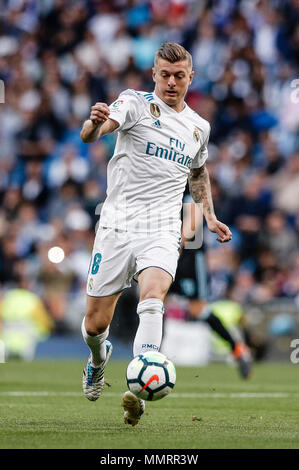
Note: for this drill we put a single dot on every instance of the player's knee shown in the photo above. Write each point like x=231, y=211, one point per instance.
x=150, y=305
x=150, y=294
x=94, y=329
x=154, y=292
x=95, y=324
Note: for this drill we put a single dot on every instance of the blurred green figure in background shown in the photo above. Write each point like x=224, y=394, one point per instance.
x=24, y=322
x=232, y=317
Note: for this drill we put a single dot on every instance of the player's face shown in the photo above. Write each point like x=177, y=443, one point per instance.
x=172, y=82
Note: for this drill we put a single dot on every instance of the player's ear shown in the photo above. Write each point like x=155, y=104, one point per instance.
x=154, y=74
x=191, y=77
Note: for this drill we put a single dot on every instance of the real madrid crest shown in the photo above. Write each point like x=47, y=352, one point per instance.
x=196, y=134
x=155, y=110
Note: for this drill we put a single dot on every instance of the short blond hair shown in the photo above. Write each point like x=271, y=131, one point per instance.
x=173, y=52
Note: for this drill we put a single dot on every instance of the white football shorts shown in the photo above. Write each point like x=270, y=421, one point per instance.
x=117, y=258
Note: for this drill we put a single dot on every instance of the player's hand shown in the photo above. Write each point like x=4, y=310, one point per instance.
x=221, y=229
x=99, y=113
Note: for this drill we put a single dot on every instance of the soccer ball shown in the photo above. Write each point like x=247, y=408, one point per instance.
x=151, y=376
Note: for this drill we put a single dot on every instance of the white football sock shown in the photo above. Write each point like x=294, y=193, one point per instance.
x=149, y=332
x=96, y=345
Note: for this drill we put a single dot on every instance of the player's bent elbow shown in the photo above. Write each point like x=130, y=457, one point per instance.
x=86, y=139
x=83, y=137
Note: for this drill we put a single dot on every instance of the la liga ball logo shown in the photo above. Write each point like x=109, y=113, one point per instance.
x=117, y=104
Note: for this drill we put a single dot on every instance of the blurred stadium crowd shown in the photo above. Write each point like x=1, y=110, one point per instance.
x=58, y=57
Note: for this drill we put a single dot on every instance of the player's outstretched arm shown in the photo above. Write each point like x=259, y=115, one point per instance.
x=98, y=123
x=200, y=189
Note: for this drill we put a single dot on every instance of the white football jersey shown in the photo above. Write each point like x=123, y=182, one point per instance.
x=146, y=177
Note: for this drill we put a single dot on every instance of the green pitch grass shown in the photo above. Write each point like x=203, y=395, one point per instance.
x=42, y=407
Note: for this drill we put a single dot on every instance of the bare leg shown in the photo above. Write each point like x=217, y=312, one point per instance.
x=99, y=313
x=95, y=330
x=154, y=283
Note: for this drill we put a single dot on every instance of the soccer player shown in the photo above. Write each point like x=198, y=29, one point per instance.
x=191, y=282
x=160, y=143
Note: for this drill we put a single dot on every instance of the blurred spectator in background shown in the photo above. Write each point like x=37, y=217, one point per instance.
x=248, y=212
x=279, y=237
x=57, y=57
x=285, y=185
x=69, y=166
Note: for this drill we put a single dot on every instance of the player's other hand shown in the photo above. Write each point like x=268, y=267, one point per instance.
x=99, y=113
x=221, y=229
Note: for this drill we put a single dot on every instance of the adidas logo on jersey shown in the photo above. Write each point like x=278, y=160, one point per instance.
x=156, y=124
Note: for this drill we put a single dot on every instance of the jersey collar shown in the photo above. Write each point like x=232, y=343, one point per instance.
x=169, y=108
